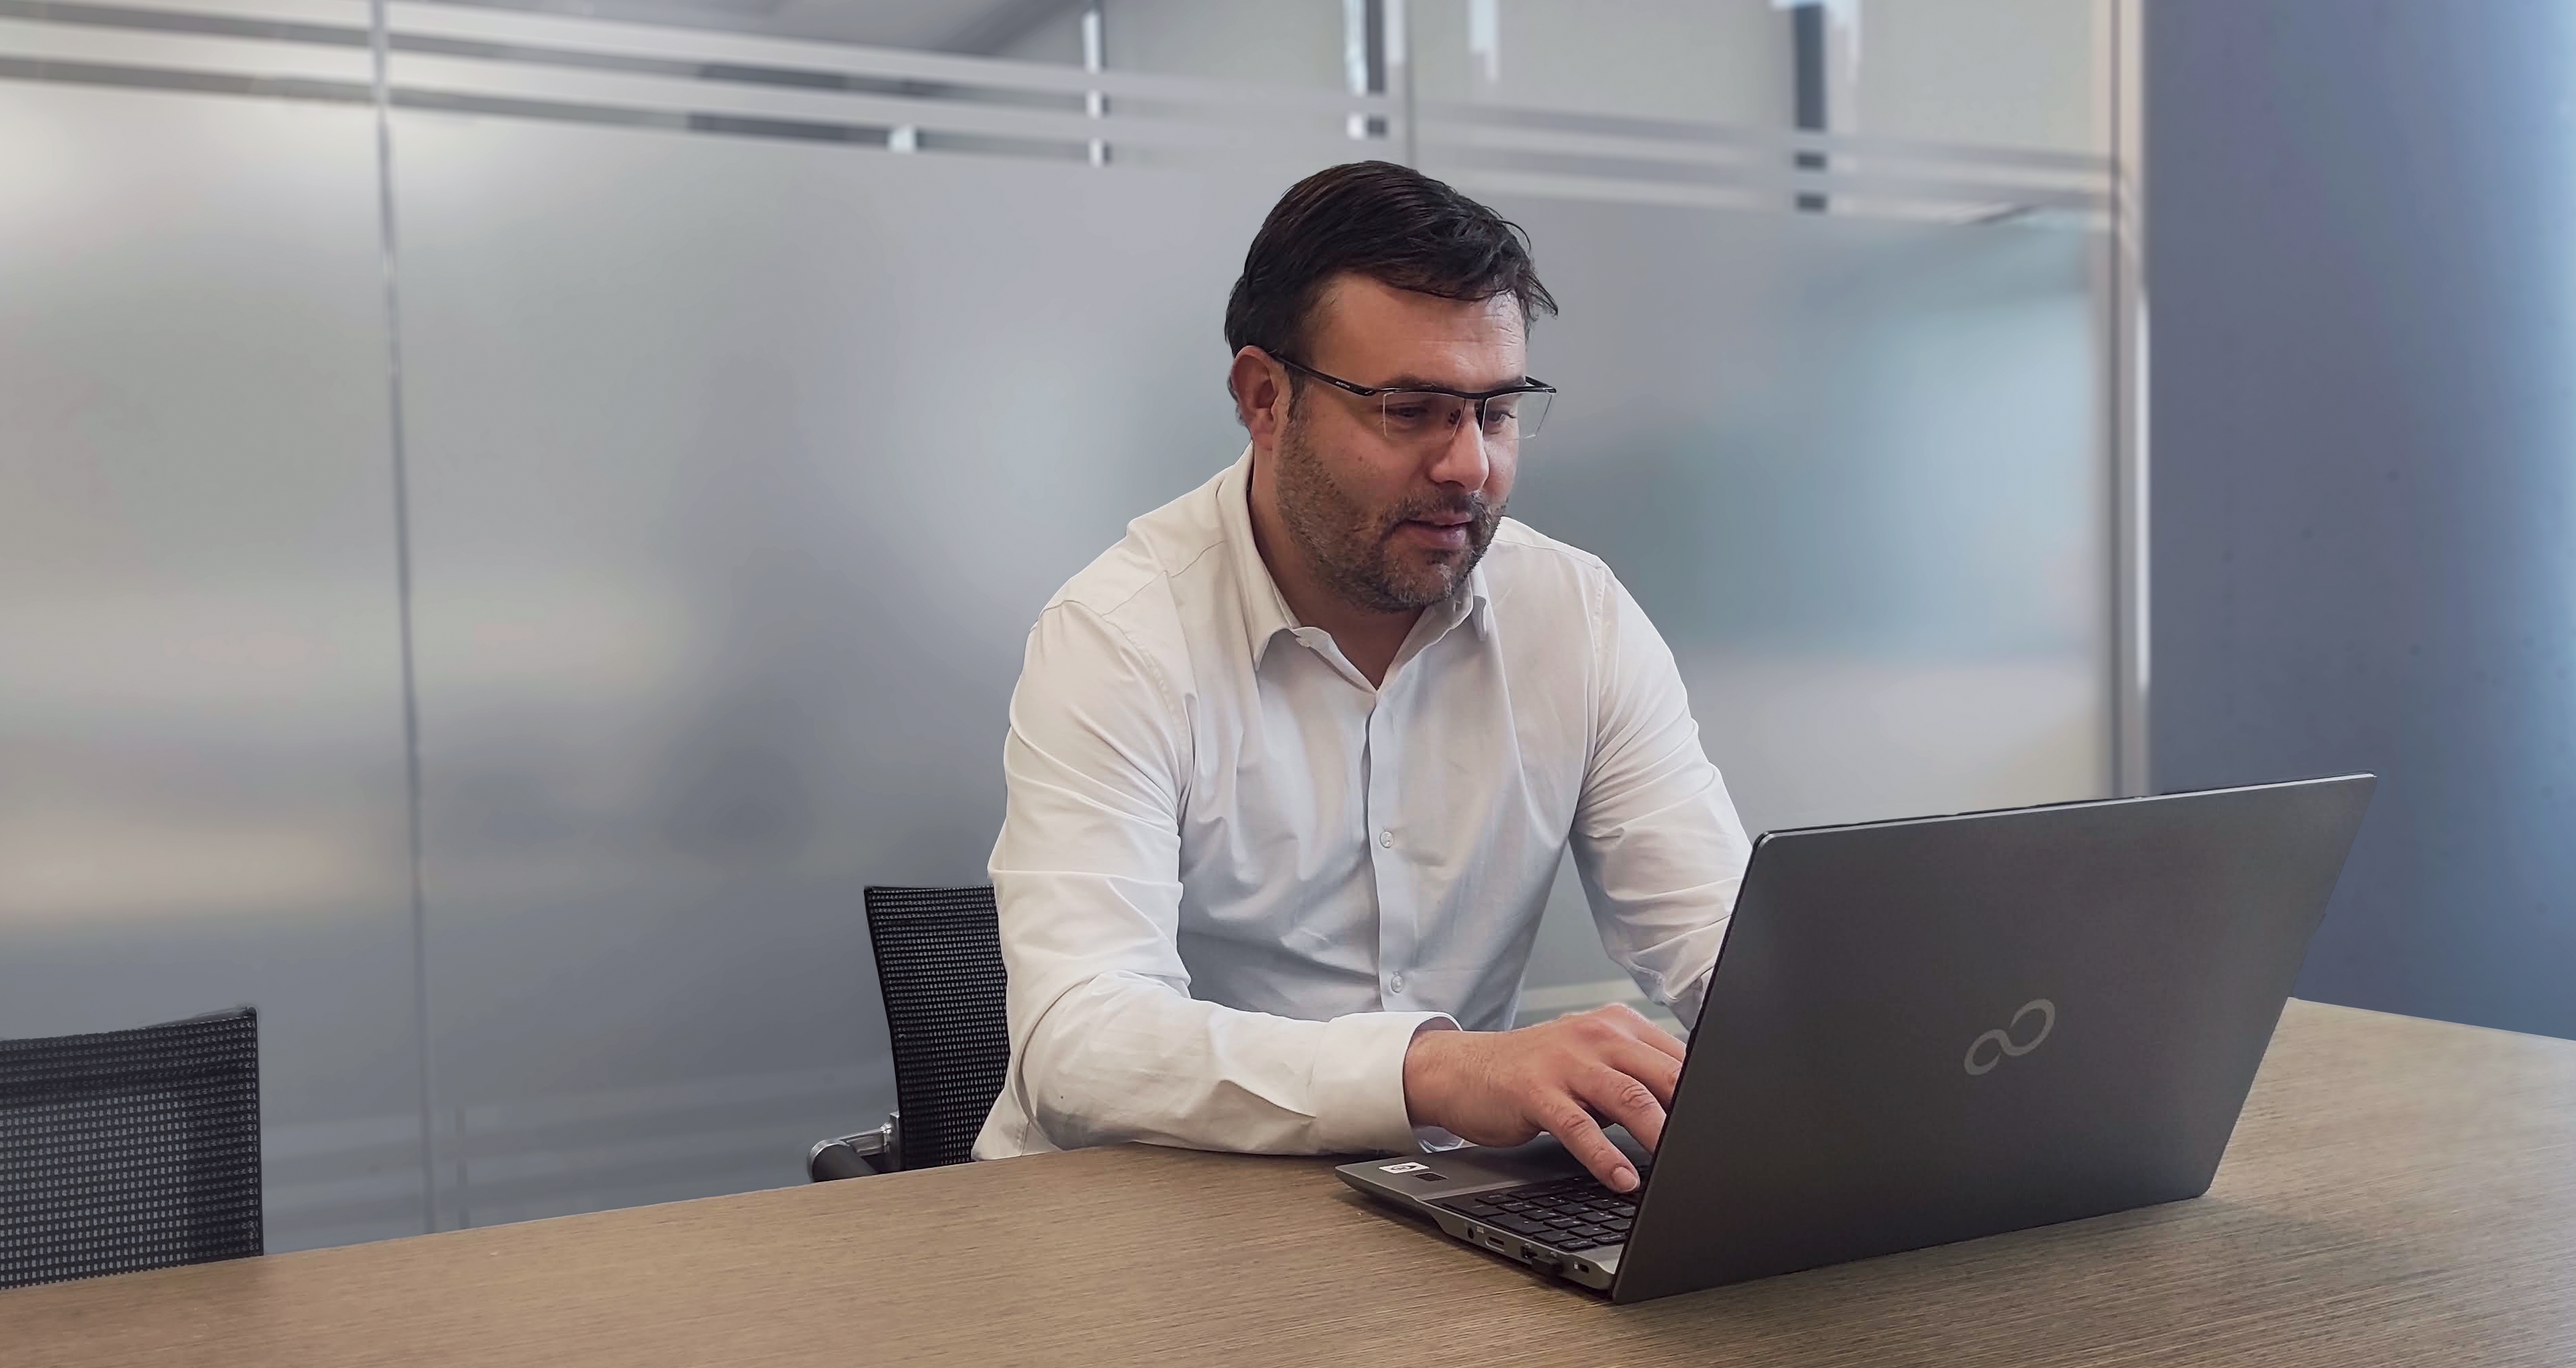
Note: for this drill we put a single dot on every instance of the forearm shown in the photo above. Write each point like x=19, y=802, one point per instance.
x=1120, y=1056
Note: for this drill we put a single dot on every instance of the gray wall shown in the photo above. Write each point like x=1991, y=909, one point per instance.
x=2360, y=263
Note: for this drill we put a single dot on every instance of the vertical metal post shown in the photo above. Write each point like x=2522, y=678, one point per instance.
x=1485, y=41
x=1807, y=89
x=2130, y=621
x=1095, y=59
x=380, y=43
x=1364, y=63
x=1398, y=77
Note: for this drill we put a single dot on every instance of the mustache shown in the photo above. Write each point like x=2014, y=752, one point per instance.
x=1472, y=507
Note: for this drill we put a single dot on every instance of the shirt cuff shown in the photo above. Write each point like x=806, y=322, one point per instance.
x=1687, y=1003
x=1358, y=1083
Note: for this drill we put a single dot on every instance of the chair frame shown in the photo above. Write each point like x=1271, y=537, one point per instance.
x=879, y=1150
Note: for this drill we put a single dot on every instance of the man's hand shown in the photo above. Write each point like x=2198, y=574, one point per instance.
x=1566, y=1077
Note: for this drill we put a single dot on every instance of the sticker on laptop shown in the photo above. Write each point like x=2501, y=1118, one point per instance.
x=1402, y=1168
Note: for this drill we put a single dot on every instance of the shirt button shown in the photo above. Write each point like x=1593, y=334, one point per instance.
x=1386, y=840
x=1395, y=982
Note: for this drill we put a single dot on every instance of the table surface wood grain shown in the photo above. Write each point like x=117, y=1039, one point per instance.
x=2398, y=1192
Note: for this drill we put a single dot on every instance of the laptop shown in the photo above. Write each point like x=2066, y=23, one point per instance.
x=1938, y=1029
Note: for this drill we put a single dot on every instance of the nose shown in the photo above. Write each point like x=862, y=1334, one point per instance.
x=1464, y=459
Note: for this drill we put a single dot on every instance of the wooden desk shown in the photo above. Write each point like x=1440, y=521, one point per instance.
x=2399, y=1192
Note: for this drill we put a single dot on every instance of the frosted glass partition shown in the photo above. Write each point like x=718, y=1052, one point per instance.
x=201, y=750
x=1998, y=74
x=740, y=471
x=1722, y=60
x=1857, y=470
x=757, y=388
x=1854, y=470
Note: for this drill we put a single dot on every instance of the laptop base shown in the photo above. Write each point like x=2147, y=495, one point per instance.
x=1463, y=1192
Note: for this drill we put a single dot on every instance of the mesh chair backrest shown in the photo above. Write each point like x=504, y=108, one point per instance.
x=939, y=966
x=129, y=1149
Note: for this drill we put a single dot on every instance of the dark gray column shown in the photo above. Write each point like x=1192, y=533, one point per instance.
x=2363, y=274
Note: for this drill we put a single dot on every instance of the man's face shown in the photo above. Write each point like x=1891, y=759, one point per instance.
x=1393, y=525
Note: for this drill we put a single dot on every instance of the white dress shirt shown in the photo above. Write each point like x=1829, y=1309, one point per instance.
x=1235, y=878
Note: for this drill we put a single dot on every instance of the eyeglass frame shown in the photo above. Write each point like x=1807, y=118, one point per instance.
x=1529, y=384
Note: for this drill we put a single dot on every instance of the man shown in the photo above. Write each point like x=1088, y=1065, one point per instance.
x=1292, y=766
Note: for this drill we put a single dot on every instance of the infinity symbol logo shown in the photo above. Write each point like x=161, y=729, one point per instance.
x=2003, y=1041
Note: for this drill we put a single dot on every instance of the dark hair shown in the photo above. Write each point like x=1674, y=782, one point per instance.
x=1390, y=223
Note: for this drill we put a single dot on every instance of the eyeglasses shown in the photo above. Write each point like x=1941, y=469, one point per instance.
x=1432, y=416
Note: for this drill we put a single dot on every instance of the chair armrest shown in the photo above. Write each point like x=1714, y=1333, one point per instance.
x=856, y=1156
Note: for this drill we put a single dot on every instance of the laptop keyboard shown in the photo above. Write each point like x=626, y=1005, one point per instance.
x=1570, y=1213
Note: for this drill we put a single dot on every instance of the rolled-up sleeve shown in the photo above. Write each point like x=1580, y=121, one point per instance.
x=1656, y=838
x=1106, y=1042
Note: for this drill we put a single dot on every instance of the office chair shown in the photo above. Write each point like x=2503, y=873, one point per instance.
x=129, y=1150
x=939, y=967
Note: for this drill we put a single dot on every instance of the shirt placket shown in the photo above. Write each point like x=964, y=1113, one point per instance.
x=1390, y=855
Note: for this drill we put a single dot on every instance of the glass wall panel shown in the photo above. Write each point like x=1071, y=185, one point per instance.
x=1303, y=44
x=2019, y=74
x=201, y=749
x=1852, y=469
x=1725, y=61
x=2023, y=74
x=741, y=468
x=765, y=367
x=1835, y=354
x=1855, y=471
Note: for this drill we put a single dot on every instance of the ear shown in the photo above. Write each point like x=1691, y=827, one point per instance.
x=1260, y=388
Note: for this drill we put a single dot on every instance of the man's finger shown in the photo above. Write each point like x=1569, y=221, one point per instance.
x=1664, y=1041
x=1625, y=1100
x=1635, y=1025
x=1582, y=1137
x=1660, y=1072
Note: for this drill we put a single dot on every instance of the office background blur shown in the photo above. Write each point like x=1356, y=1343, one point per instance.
x=512, y=514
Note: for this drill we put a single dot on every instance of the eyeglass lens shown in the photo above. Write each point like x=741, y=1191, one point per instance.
x=1418, y=415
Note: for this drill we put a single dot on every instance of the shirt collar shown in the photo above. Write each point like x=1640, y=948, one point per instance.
x=1266, y=614
x=1265, y=611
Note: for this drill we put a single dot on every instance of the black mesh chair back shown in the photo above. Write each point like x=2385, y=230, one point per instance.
x=129, y=1149
x=939, y=966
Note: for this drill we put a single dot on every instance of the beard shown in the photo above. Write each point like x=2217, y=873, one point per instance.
x=1352, y=546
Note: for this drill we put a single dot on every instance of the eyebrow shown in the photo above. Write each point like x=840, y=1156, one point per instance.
x=1411, y=381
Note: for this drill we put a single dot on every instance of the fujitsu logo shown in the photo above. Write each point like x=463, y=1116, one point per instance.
x=2002, y=1040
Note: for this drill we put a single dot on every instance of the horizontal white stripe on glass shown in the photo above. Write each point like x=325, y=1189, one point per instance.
x=606, y=37
x=258, y=58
